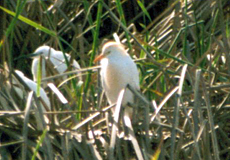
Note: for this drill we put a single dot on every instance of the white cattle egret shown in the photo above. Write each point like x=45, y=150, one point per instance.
x=55, y=57
x=117, y=71
x=33, y=86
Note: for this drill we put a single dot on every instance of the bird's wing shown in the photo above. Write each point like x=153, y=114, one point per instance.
x=136, y=77
x=58, y=61
x=132, y=73
x=76, y=65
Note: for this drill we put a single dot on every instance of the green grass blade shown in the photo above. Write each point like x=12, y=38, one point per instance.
x=95, y=43
x=39, y=75
x=29, y=22
x=144, y=9
x=89, y=16
x=19, y=9
x=39, y=144
x=122, y=16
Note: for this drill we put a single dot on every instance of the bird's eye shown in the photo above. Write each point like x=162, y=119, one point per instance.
x=108, y=52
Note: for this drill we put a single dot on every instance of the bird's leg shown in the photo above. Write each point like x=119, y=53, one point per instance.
x=131, y=135
x=124, y=127
x=132, y=109
x=109, y=121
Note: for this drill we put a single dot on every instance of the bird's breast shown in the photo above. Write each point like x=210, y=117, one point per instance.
x=115, y=75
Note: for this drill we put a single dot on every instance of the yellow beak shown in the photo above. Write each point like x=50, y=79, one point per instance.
x=98, y=58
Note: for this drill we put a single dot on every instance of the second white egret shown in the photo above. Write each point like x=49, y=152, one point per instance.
x=56, y=58
x=117, y=71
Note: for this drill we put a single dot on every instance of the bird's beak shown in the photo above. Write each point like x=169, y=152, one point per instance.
x=98, y=58
x=32, y=55
x=35, y=54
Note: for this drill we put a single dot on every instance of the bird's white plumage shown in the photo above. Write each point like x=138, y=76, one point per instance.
x=33, y=86
x=55, y=57
x=117, y=71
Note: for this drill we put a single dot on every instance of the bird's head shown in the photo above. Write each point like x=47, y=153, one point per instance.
x=109, y=49
x=45, y=51
x=42, y=50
